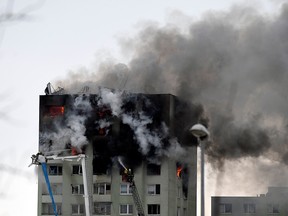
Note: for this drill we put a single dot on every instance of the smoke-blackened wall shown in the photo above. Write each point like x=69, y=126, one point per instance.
x=134, y=127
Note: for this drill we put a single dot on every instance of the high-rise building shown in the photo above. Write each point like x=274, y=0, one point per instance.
x=144, y=133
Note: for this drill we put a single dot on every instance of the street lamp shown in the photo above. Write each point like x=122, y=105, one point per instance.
x=200, y=131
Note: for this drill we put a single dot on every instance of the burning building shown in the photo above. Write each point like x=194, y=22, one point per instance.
x=117, y=131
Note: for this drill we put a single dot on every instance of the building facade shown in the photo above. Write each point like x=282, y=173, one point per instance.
x=166, y=186
x=274, y=202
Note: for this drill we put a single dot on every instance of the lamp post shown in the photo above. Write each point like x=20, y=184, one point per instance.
x=200, y=131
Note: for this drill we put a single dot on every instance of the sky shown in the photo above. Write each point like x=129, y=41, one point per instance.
x=53, y=38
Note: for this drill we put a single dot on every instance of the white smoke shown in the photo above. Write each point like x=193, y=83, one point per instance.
x=73, y=131
x=113, y=99
x=145, y=137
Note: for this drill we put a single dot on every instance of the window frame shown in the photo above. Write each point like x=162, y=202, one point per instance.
x=78, y=169
x=248, y=209
x=273, y=208
x=79, y=188
x=97, y=190
x=128, y=189
x=128, y=208
x=58, y=169
x=156, y=189
x=225, y=210
x=80, y=209
x=152, y=206
x=153, y=169
x=55, y=187
x=50, y=209
x=104, y=205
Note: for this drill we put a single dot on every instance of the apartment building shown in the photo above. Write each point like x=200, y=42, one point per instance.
x=274, y=202
x=166, y=186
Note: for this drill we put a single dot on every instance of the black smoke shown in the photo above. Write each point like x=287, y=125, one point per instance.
x=232, y=62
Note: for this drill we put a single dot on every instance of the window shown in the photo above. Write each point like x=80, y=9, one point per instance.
x=178, y=211
x=126, y=209
x=273, y=208
x=78, y=189
x=55, y=187
x=249, y=208
x=55, y=170
x=153, y=169
x=102, y=208
x=184, y=212
x=47, y=209
x=153, y=189
x=125, y=189
x=77, y=170
x=179, y=192
x=225, y=208
x=102, y=188
x=153, y=209
x=77, y=209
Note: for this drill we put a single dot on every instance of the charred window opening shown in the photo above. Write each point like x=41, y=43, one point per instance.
x=103, y=122
x=53, y=111
x=101, y=157
x=101, y=165
x=184, y=176
x=153, y=169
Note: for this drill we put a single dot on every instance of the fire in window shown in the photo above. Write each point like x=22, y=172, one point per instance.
x=55, y=111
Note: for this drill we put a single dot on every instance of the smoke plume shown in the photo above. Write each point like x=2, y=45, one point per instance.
x=232, y=62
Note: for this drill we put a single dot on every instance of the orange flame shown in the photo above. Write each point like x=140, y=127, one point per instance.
x=56, y=110
x=179, y=169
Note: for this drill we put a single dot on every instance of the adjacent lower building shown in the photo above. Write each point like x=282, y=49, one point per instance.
x=274, y=202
